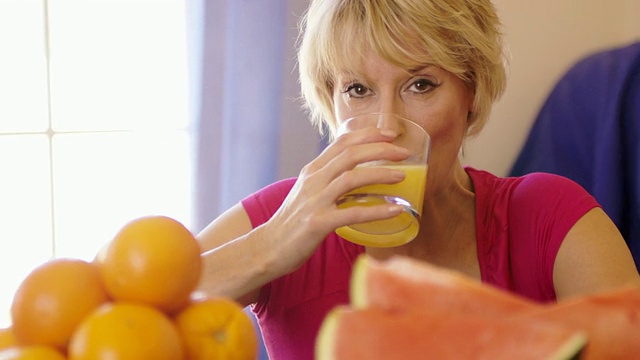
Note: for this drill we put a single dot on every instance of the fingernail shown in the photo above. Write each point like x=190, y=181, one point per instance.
x=395, y=209
x=398, y=174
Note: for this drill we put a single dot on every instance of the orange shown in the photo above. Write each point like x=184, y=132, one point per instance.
x=52, y=300
x=154, y=260
x=32, y=352
x=217, y=328
x=123, y=330
x=7, y=338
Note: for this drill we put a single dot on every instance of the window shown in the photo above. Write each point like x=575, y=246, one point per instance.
x=94, y=128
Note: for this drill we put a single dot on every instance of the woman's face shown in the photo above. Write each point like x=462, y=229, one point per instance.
x=432, y=97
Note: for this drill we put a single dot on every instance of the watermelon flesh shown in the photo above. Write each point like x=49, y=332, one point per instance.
x=374, y=333
x=611, y=320
x=401, y=282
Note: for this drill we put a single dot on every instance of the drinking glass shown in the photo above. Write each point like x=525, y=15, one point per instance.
x=408, y=193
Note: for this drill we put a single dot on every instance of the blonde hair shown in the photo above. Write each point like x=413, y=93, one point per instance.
x=460, y=36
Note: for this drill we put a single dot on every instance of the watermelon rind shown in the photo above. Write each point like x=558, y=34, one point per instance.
x=358, y=285
x=572, y=349
x=325, y=340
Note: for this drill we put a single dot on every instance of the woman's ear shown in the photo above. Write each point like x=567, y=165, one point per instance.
x=471, y=102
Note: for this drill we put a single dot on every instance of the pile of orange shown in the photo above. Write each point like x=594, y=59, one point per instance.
x=133, y=301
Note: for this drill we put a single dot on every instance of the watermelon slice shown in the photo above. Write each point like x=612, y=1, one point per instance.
x=626, y=297
x=611, y=320
x=401, y=282
x=374, y=333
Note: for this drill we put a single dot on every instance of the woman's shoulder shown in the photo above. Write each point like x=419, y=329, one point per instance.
x=549, y=190
x=278, y=189
x=530, y=189
x=531, y=215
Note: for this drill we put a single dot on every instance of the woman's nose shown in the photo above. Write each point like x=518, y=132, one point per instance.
x=391, y=121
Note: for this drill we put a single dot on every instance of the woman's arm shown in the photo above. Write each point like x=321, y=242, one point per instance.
x=239, y=260
x=236, y=261
x=593, y=257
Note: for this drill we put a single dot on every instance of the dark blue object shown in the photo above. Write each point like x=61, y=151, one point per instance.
x=589, y=130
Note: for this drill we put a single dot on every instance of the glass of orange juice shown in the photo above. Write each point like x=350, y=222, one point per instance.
x=409, y=193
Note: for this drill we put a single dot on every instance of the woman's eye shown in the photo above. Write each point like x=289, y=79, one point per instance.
x=356, y=90
x=422, y=85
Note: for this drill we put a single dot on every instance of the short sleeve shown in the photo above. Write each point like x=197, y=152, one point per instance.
x=262, y=204
x=542, y=210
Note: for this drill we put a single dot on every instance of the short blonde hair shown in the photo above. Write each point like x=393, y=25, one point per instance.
x=460, y=36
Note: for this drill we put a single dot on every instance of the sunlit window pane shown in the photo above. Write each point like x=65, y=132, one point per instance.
x=25, y=211
x=92, y=136
x=117, y=64
x=115, y=178
x=23, y=76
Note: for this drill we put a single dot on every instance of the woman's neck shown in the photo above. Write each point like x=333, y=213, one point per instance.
x=447, y=230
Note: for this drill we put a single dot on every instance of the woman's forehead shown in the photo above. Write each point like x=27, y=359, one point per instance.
x=349, y=56
x=356, y=67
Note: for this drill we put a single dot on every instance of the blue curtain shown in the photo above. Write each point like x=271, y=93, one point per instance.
x=248, y=126
x=236, y=101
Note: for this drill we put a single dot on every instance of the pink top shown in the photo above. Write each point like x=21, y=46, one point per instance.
x=520, y=222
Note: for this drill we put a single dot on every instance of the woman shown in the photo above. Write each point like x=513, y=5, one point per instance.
x=439, y=63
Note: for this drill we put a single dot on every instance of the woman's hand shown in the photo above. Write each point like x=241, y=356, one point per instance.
x=309, y=213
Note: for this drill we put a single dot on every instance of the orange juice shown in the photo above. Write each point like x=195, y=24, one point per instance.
x=397, y=230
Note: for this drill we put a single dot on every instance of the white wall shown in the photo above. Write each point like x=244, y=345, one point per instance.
x=545, y=38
